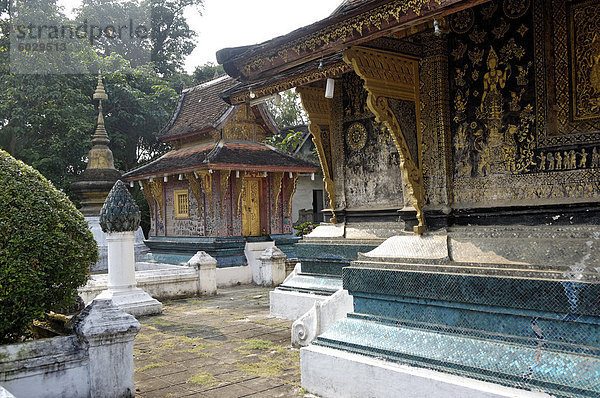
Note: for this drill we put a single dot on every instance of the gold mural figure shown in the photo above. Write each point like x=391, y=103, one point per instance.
x=491, y=99
x=583, y=159
x=461, y=144
x=542, y=161
x=523, y=73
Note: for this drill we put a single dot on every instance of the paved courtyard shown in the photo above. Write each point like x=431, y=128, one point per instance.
x=220, y=346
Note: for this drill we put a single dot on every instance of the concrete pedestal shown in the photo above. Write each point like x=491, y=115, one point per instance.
x=122, y=288
x=140, y=249
x=271, y=267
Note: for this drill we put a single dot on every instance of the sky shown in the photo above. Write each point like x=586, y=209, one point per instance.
x=233, y=23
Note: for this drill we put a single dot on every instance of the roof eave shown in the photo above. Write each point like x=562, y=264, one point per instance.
x=268, y=58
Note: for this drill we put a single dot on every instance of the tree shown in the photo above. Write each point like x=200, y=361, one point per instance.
x=126, y=17
x=290, y=112
x=288, y=143
x=206, y=72
x=172, y=39
x=140, y=103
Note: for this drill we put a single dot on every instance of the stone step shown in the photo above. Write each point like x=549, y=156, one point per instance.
x=313, y=283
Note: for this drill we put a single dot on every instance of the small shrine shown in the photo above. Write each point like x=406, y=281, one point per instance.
x=459, y=143
x=220, y=186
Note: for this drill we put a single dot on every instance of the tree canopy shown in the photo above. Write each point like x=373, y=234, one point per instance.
x=289, y=112
x=47, y=120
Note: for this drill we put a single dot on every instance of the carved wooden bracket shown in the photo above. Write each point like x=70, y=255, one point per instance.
x=147, y=191
x=156, y=190
x=318, y=109
x=390, y=77
x=277, y=179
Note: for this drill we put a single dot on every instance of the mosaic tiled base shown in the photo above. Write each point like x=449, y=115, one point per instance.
x=522, y=328
x=229, y=252
x=330, y=256
x=286, y=243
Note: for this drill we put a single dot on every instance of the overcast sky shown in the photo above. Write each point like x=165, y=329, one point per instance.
x=232, y=23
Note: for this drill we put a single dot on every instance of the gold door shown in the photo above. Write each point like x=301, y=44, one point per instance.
x=251, y=208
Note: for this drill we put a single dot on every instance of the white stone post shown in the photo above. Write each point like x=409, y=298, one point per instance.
x=119, y=219
x=207, y=273
x=109, y=333
x=121, y=275
x=271, y=267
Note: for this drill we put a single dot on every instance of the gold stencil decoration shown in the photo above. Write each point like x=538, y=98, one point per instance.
x=515, y=8
x=585, y=61
x=462, y=21
x=146, y=190
x=277, y=180
x=224, y=185
x=156, y=187
x=356, y=136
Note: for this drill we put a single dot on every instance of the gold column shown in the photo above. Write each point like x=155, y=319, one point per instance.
x=318, y=109
x=390, y=76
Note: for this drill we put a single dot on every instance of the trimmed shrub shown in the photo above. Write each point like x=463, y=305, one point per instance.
x=46, y=248
x=304, y=228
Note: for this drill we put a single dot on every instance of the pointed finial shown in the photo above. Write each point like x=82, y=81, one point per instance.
x=120, y=213
x=100, y=136
x=100, y=94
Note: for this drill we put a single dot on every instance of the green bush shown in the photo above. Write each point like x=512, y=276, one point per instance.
x=304, y=228
x=46, y=248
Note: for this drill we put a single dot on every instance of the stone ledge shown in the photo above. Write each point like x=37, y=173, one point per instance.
x=333, y=373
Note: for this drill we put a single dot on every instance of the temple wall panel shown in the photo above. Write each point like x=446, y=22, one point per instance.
x=218, y=213
x=192, y=226
x=371, y=163
x=525, y=102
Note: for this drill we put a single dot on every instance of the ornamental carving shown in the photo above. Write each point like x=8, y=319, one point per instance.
x=277, y=179
x=156, y=188
x=196, y=188
x=147, y=191
x=585, y=60
x=318, y=109
x=356, y=136
x=371, y=20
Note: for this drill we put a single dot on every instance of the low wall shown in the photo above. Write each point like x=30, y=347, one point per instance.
x=161, y=281
x=96, y=361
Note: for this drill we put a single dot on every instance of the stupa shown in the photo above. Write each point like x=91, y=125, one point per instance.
x=93, y=185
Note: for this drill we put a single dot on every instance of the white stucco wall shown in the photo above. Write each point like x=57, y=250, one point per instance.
x=303, y=197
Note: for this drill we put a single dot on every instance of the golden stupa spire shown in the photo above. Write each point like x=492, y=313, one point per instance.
x=100, y=136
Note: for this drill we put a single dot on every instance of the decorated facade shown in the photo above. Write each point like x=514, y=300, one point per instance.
x=461, y=143
x=220, y=185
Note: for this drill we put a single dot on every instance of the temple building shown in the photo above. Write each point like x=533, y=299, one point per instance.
x=220, y=189
x=459, y=142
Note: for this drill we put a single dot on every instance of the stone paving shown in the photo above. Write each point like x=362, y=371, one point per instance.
x=220, y=346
